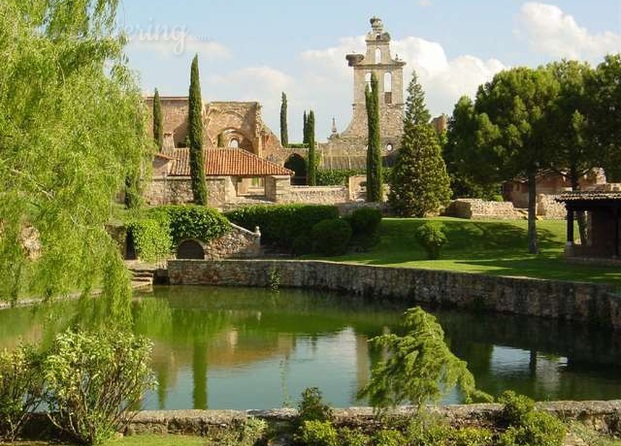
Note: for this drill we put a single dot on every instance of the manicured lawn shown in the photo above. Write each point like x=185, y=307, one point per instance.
x=494, y=247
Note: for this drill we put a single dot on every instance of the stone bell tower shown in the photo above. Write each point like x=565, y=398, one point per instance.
x=389, y=72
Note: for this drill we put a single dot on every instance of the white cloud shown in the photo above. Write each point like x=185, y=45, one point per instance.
x=551, y=31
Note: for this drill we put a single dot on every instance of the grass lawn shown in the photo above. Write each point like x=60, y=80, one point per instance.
x=494, y=247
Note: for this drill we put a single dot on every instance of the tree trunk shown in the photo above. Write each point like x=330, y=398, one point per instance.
x=533, y=247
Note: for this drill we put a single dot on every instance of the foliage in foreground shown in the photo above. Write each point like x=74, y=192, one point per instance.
x=68, y=143
x=331, y=236
x=93, y=380
x=420, y=368
x=21, y=388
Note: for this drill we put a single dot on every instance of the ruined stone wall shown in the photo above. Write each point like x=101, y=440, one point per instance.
x=174, y=116
x=475, y=208
x=238, y=243
x=549, y=208
x=178, y=190
x=584, y=302
x=314, y=195
x=243, y=118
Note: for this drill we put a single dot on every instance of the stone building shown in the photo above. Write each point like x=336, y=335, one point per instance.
x=347, y=150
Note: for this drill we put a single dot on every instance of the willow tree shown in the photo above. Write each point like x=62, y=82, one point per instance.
x=374, y=153
x=67, y=143
x=195, y=124
x=312, y=156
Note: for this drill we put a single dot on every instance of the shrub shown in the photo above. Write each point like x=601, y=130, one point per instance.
x=152, y=239
x=336, y=177
x=192, y=222
x=428, y=429
x=528, y=426
x=331, y=236
x=312, y=407
x=303, y=244
x=473, y=436
x=365, y=227
x=318, y=433
x=389, y=437
x=281, y=225
x=93, y=380
x=431, y=237
x=21, y=388
x=352, y=437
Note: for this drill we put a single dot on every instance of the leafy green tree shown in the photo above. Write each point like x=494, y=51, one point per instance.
x=67, y=144
x=604, y=90
x=312, y=156
x=419, y=183
x=158, y=123
x=284, y=133
x=566, y=126
x=510, y=138
x=195, y=124
x=419, y=368
x=458, y=155
x=374, y=153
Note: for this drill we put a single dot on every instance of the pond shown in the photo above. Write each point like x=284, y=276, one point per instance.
x=238, y=348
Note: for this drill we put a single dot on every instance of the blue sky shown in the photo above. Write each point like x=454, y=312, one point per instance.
x=255, y=50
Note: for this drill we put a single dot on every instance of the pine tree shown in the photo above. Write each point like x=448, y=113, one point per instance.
x=158, y=124
x=305, y=129
x=284, y=132
x=374, y=154
x=312, y=159
x=195, y=124
x=419, y=183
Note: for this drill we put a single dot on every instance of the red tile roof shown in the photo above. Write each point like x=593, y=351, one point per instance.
x=227, y=162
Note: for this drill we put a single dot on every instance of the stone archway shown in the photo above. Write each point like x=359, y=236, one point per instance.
x=298, y=164
x=191, y=250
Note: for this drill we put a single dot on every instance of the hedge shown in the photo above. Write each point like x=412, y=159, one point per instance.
x=280, y=225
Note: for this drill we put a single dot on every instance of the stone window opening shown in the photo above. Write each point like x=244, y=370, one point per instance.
x=388, y=88
x=234, y=143
x=389, y=147
x=367, y=80
x=378, y=55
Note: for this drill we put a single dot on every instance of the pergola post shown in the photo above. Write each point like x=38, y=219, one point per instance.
x=570, y=225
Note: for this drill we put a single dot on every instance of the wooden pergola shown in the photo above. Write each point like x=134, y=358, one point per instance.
x=603, y=211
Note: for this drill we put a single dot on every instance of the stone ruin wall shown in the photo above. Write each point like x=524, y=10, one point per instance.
x=238, y=243
x=178, y=190
x=476, y=208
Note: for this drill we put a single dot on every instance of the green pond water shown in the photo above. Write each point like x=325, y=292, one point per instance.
x=238, y=348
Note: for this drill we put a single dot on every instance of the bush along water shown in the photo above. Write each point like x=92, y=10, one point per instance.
x=365, y=223
x=432, y=238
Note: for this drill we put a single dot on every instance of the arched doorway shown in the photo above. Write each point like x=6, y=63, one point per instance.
x=298, y=164
x=191, y=249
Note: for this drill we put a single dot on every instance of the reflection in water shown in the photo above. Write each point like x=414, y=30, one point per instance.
x=247, y=348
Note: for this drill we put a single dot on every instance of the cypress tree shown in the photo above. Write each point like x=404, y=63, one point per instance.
x=305, y=129
x=284, y=132
x=158, y=124
x=419, y=182
x=374, y=154
x=312, y=161
x=195, y=124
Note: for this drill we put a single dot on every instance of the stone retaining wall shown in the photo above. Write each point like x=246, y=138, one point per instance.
x=584, y=302
x=602, y=416
x=314, y=195
x=475, y=208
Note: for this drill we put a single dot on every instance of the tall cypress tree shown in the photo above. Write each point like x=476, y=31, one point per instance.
x=374, y=154
x=195, y=136
x=284, y=132
x=419, y=182
x=158, y=125
x=305, y=129
x=312, y=161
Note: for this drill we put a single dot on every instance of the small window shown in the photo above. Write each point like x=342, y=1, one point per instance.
x=389, y=147
x=378, y=55
x=234, y=144
x=367, y=80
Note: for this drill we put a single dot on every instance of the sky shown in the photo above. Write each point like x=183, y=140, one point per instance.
x=254, y=50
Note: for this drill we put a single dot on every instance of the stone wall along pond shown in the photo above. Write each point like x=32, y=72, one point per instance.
x=571, y=301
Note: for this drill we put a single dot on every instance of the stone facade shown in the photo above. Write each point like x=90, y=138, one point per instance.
x=583, y=302
x=315, y=195
x=178, y=190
